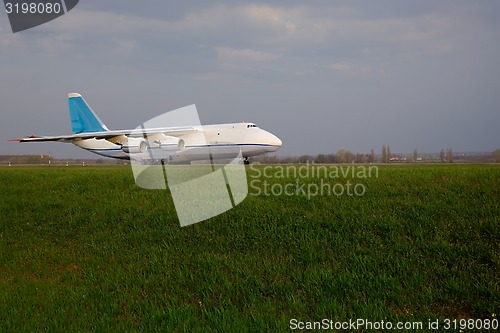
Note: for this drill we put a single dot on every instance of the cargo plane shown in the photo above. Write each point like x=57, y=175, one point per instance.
x=177, y=144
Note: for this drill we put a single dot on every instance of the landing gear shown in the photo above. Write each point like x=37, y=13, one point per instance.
x=165, y=161
x=246, y=161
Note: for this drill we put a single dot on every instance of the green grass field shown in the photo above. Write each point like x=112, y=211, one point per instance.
x=85, y=249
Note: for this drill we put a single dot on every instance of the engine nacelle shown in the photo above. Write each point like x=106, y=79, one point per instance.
x=171, y=143
x=135, y=146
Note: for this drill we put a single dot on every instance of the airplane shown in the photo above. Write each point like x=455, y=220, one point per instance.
x=177, y=144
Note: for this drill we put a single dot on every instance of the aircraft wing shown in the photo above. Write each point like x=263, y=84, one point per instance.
x=172, y=131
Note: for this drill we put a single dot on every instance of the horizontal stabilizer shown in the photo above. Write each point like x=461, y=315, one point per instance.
x=107, y=135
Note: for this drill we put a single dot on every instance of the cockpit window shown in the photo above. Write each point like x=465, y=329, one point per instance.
x=251, y=125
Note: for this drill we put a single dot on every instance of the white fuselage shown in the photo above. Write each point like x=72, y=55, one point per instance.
x=220, y=141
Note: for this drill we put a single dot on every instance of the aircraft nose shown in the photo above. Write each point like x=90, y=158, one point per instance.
x=274, y=142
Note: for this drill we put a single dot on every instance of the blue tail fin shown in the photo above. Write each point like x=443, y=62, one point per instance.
x=83, y=119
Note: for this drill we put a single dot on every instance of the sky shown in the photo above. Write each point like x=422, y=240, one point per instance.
x=321, y=75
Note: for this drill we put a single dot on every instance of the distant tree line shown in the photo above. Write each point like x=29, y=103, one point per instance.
x=446, y=156
x=341, y=156
x=496, y=155
x=24, y=159
x=386, y=156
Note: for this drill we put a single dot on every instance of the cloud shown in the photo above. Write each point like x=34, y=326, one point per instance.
x=244, y=59
x=229, y=53
x=253, y=31
x=413, y=64
x=349, y=69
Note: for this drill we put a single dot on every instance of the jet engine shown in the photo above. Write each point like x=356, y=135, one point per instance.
x=135, y=146
x=171, y=143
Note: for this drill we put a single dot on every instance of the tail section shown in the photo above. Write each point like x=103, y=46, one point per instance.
x=83, y=119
